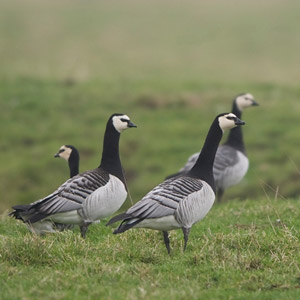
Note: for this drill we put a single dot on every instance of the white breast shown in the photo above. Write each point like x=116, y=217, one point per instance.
x=195, y=207
x=234, y=174
x=105, y=201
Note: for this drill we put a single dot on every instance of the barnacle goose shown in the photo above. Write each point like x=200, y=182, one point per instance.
x=231, y=161
x=71, y=155
x=87, y=197
x=181, y=201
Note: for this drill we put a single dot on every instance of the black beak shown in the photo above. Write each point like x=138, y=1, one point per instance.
x=238, y=122
x=254, y=103
x=56, y=155
x=130, y=125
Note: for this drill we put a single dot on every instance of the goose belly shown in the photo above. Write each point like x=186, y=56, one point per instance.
x=164, y=223
x=234, y=174
x=68, y=217
x=105, y=201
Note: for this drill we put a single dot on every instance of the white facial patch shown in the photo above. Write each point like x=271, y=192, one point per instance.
x=244, y=101
x=225, y=123
x=66, y=153
x=119, y=124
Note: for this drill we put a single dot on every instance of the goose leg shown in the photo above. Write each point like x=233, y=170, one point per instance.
x=186, y=232
x=220, y=195
x=84, y=228
x=167, y=241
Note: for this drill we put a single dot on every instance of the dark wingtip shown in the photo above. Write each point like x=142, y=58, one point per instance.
x=13, y=214
x=124, y=226
x=117, y=218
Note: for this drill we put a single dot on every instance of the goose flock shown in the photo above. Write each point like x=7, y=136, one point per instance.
x=86, y=197
x=231, y=162
x=179, y=202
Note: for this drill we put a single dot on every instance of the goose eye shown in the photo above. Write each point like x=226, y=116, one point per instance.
x=230, y=118
x=124, y=120
x=61, y=150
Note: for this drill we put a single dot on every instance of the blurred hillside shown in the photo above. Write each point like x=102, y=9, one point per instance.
x=170, y=65
x=186, y=40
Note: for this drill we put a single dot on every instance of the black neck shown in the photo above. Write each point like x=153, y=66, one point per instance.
x=74, y=163
x=203, y=168
x=110, y=161
x=235, y=137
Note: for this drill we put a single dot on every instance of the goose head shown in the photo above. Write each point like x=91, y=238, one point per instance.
x=65, y=152
x=244, y=101
x=121, y=122
x=228, y=121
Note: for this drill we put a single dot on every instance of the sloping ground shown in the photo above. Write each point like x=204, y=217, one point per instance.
x=224, y=41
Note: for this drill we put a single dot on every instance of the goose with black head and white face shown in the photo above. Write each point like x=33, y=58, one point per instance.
x=231, y=162
x=86, y=197
x=184, y=200
x=71, y=155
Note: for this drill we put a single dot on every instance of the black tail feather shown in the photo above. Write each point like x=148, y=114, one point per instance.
x=36, y=217
x=117, y=218
x=19, y=210
x=26, y=214
x=22, y=208
x=15, y=214
x=125, y=225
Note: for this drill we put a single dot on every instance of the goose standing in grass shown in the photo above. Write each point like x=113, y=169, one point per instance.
x=87, y=197
x=181, y=201
x=231, y=161
x=71, y=155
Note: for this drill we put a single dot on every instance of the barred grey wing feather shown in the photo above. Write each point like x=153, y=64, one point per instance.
x=164, y=199
x=58, y=204
x=70, y=195
x=226, y=157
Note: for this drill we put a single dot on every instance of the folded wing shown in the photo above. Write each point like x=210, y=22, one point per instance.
x=68, y=196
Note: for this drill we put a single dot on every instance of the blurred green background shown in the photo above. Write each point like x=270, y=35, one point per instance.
x=170, y=65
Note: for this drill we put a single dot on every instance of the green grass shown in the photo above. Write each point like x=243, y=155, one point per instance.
x=40, y=116
x=241, y=250
x=65, y=67
x=171, y=66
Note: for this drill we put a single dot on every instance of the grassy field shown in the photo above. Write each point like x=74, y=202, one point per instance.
x=171, y=66
x=170, y=128
x=242, y=250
